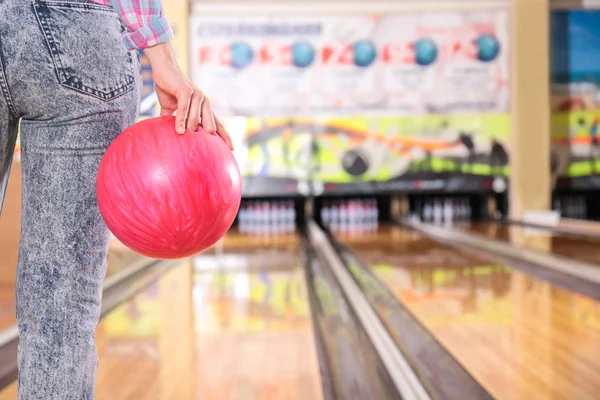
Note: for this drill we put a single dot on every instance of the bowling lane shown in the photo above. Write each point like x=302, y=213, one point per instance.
x=233, y=323
x=582, y=248
x=519, y=336
x=10, y=227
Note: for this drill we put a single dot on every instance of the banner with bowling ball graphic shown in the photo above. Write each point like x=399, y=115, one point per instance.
x=437, y=153
x=575, y=88
x=401, y=64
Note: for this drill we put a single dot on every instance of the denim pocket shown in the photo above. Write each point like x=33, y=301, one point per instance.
x=84, y=40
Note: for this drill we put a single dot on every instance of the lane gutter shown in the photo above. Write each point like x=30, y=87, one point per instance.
x=327, y=380
x=404, y=378
x=442, y=374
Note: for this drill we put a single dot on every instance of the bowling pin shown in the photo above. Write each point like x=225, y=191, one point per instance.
x=270, y=221
x=242, y=218
x=448, y=211
x=290, y=216
x=456, y=210
x=437, y=211
x=326, y=213
x=282, y=217
x=344, y=216
x=335, y=213
x=253, y=217
x=351, y=214
x=360, y=213
x=263, y=217
x=428, y=211
x=375, y=215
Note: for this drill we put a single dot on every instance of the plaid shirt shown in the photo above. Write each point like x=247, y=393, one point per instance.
x=144, y=20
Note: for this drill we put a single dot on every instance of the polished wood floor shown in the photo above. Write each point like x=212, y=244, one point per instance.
x=223, y=326
x=234, y=323
x=10, y=228
x=520, y=337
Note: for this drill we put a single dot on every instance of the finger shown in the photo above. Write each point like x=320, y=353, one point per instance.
x=208, y=119
x=221, y=131
x=193, y=120
x=184, y=98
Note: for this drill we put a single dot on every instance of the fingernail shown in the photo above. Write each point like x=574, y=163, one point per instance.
x=180, y=129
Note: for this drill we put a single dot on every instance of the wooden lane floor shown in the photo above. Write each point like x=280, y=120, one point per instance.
x=582, y=248
x=233, y=323
x=520, y=337
x=10, y=228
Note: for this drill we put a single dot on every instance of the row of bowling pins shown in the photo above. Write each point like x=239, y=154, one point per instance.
x=264, y=217
x=351, y=215
x=446, y=210
x=571, y=206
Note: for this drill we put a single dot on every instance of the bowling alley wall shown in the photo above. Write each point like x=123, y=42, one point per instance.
x=325, y=99
x=360, y=102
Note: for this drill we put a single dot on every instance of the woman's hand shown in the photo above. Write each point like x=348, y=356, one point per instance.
x=178, y=95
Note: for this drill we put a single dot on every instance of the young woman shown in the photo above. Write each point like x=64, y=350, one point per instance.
x=69, y=75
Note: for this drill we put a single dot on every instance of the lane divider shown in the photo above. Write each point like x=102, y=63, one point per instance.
x=564, y=226
x=568, y=266
x=136, y=267
x=406, y=381
x=9, y=335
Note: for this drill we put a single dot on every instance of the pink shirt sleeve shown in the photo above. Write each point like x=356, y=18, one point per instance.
x=144, y=20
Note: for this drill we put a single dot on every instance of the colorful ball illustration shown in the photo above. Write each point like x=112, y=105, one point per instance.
x=488, y=47
x=365, y=53
x=426, y=51
x=355, y=162
x=241, y=55
x=303, y=54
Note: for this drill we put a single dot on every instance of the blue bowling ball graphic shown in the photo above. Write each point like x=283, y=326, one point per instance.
x=303, y=54
x=488, y=47
x=365, y=53
x=241, y=55
x=426, y=51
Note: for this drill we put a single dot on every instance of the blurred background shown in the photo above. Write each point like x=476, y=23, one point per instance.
x=420, y=215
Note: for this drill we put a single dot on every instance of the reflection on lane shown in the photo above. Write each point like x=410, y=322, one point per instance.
x=519, y=336
x=577, y=247
x=229, y=324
